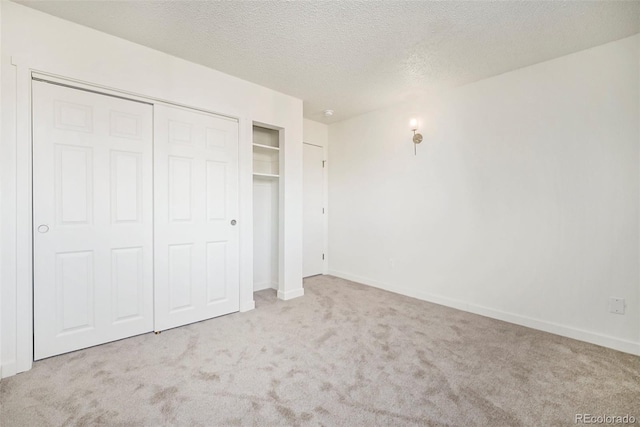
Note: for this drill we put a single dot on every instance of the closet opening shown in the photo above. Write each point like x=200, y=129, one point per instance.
x=267, y=206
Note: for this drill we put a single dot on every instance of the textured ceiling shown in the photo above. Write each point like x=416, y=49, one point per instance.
x=357, y=56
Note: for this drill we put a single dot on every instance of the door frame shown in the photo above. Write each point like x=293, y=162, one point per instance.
x=325, y=203
x=23, y=220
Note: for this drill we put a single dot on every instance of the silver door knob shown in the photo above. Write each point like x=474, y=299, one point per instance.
x=233, y=222
x=43, y=228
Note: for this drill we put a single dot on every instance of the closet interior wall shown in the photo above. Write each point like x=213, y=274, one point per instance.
x=266, y=211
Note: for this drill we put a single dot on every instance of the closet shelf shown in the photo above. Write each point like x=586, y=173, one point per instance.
x=266, y=147
x=265, y=175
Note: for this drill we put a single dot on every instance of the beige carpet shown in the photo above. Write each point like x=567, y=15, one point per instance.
x=344, y=354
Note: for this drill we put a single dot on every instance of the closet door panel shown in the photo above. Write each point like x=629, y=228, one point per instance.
x=93, y=220
x=196, y=199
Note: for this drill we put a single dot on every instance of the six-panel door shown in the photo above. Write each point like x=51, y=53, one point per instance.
x=195, y=207
x=93, y=218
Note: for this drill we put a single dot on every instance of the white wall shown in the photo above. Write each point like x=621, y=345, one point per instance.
x=59, y=47
x=521, y=204
x=317, y=133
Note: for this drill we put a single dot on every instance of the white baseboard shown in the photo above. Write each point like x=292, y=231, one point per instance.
x=558, y=329
x=542, y=325
x=293, y=293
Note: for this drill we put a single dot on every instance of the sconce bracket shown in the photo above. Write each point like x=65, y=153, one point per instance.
x=417, y=138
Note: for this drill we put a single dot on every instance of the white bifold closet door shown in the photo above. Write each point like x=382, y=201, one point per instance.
x=196, y=207
x=92, y=213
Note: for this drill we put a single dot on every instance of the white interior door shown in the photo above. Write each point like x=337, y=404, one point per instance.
x=196, y=207
x=92, y=213
x=313, y=221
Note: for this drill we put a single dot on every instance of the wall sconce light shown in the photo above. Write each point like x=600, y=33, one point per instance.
x=417, y=138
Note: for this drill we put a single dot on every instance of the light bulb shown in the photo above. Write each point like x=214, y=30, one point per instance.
x=413, y=123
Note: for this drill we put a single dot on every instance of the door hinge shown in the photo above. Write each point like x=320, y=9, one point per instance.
x=323, y=162
x=322, y=256
x=322, y=210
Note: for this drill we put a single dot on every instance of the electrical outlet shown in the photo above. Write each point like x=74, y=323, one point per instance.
x=616, y=305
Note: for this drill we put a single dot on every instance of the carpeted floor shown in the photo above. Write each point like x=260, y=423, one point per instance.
x=343, y=355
